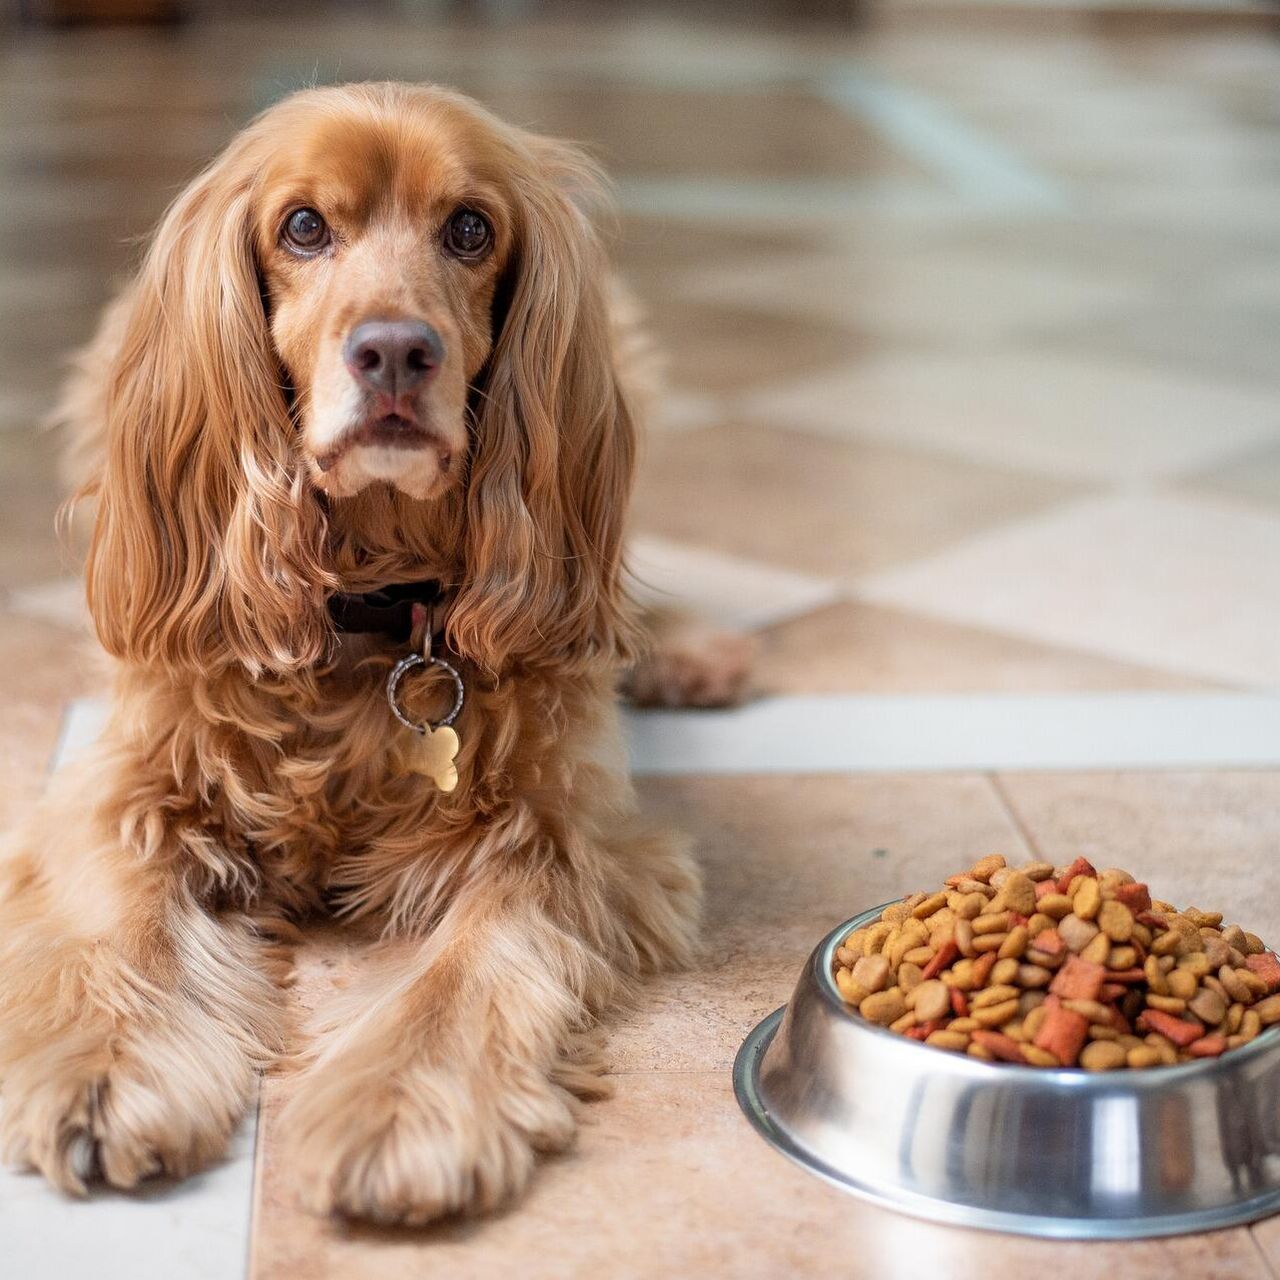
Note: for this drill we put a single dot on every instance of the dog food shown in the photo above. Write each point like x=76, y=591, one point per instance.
x=1050, y=966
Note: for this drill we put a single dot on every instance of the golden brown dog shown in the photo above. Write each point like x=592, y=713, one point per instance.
x=369, y=345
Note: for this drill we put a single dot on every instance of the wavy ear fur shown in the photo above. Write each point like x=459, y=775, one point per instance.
x=555, y=445
x=206, y=549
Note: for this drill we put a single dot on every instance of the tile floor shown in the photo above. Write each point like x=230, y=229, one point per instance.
x=973, y=391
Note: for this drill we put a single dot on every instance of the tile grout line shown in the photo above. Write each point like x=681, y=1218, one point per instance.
x=255, y=1181
x=1262, y=1253
x=996, y=783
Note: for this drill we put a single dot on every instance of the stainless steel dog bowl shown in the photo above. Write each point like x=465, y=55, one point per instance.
x=1006, y=1148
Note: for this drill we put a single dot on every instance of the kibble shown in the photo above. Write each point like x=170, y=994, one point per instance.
x=1066, y=966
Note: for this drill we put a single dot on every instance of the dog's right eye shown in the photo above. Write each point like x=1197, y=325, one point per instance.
x=305, y=231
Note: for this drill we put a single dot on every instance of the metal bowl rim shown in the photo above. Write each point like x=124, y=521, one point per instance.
x=820, y=962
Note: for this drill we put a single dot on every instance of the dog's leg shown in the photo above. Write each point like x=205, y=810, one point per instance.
x=457, y=1057
x=132, y=1020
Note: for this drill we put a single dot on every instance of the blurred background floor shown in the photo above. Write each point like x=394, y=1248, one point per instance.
x=973, y=322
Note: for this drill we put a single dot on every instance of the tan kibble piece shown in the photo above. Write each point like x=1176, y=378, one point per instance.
x=932, y=1000
x=904, y=1023
x=1039, y=923
x=1268, y=1010
x=884, y=1007
x=1055, y=905
x=1182, y=983
x=1121, y=957
x=963, y=936
x=1033, y=976
x=991, y=922
x=1167, y=1004
x=970, y=905
x=1087, y=899
x=872, y=973
x=875, y=938
x=1208, y=1006
x=963, y=1024
x=909, y=976
x=1018, y=893
x=1098, y=951
x=986, y=867
x=1144, y=1057
x=923, y=910
x=996, y=1015
x=918, y=955
x=1102, y=1055
x=1003, y=973
x=989, y=942
x=992, y=995
x=1250, y=1024
x=850, y=990
x=1236, y=989
x=1116, y=921
x=956, y=1041
x=895, y=913
x=1039, y=1057
x=1015, y=944
x=1037, y=871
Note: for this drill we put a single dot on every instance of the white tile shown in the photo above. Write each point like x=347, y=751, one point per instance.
x=725, y=590
x=1176, y=582
x=849, y=733
x=1070, y=416
x=197, y=1229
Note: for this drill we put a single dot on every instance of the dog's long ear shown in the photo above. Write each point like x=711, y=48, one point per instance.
x=555, y=445
x=206, y=547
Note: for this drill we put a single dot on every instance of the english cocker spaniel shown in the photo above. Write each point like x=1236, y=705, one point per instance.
x=360, y=453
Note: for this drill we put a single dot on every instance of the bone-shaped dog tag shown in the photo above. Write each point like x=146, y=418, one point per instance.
x=431, y=753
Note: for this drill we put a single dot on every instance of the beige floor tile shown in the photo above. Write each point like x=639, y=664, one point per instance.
x=1175, y=582
x=1204, y=839
x=786, y=859
x=854, y=647
x=1069, y=416
x=823, y=506
x=723, y=348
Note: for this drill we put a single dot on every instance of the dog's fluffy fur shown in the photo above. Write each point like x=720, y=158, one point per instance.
x=248, y=771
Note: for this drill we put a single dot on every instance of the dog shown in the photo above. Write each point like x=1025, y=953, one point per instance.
x=363, y=413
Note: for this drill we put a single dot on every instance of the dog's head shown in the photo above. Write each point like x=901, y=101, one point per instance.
x=375, y=289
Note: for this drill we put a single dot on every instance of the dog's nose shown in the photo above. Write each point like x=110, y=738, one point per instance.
x=393, y=356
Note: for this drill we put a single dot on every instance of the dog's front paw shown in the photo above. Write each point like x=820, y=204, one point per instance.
x=119, y=1115
x=420, y=1143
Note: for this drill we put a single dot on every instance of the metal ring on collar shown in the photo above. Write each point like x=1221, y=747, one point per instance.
x=407, y=663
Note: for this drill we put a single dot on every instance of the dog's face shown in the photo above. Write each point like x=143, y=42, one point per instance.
x=372, y=333
x=381, y=255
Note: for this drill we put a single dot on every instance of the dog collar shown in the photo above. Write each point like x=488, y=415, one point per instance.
x=385, y=611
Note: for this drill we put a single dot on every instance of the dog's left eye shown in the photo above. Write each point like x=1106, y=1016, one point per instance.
x=468, y=233
x=305, y=231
